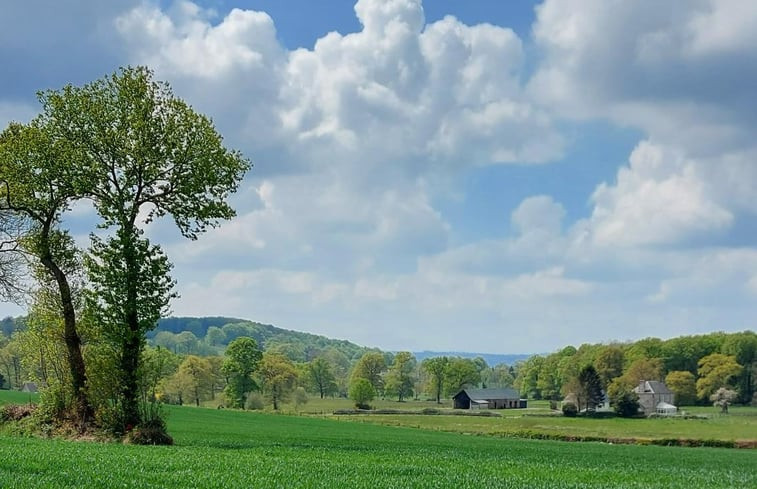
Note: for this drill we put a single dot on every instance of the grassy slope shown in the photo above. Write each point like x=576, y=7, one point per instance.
x=227, y=449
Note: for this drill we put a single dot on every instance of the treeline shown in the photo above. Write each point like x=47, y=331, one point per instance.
x=188, y=368
x=693, y=367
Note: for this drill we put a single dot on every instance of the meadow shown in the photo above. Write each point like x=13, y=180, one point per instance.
x=230, y=449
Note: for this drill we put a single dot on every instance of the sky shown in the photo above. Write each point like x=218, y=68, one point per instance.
x=504, y=177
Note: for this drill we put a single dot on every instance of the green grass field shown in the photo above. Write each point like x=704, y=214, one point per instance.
x=734, y=427
x=231, y=449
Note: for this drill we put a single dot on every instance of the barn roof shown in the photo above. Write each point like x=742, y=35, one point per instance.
x=506, y=393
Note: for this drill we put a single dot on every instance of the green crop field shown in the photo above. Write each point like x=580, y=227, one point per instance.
x=738, y=426
x=230, y=449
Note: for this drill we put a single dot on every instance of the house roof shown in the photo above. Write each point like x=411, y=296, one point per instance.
x=653, y=387
x=490, y=393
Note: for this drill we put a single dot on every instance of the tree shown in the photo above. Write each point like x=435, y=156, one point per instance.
x=242, y=359
x=300, y=397
x=683, y=385
x=215, y=336
x=321, y=376
x=626, y=403
x=460, y=373
x=643, y=369
x=743, y=346
x=716, y=371
x=723, y=398
x=194, y=376
x=362, y=392
x=140, y=153
x=609, y=363
x=278, y=376
x=370, y=367
x=592, y=385
x=36, y=188
x=436, y=368
x=399, y=379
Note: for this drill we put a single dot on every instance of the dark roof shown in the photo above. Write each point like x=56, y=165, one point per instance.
x=654, y=387
x=506, y=393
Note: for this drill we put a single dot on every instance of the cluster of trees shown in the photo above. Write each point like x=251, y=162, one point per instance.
x=127, y=146
x=210, y=336
x=693, y=367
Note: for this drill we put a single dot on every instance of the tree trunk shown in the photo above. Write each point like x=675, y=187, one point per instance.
x=132, y=341
x=84, y=411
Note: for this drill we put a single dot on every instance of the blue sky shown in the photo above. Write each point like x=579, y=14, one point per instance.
x=483, y=176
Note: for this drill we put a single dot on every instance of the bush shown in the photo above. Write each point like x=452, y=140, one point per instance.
x=362, y=392
x=627, y=404
x=16, y=412
x=569, y=409
x=152, y=432
x=254, y=402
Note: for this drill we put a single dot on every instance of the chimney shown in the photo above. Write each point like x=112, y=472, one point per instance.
x=642, y=386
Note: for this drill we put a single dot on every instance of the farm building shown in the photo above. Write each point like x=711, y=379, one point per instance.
x=488, y=399
x=655, y=397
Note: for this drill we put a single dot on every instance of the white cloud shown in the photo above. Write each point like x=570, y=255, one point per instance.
x=659, y=198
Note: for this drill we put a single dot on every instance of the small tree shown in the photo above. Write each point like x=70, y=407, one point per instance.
x=569, y=409
x=591, y=385
x=626, y=403
x=723, y=398
x=362, y=392
x=300, y=397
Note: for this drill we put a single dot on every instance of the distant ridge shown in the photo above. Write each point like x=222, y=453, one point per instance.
x=491, y=358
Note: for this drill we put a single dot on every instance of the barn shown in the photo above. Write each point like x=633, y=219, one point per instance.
x=488, y=399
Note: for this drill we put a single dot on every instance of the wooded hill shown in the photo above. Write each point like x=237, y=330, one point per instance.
x=211, y=335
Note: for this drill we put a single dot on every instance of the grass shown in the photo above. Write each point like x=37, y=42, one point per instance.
x=230, y=449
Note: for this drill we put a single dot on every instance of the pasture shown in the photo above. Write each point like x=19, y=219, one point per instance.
x=231, y=449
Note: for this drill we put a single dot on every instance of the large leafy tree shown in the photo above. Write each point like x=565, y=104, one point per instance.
x=370, y=367
x=436, y=368
x=460, y=373
x=716, y=371
x=321, y=376
x=278, y=376
x=36, y=187
x=242, y=360
x=399, y=379
x=140, y=153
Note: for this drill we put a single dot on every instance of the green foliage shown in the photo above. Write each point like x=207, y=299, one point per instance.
x=242, y=359
x=321, y=377
x=370, y=367
x=362, y=392
x=460, y=373
x=626, y=403
x=569, y=409
x=683, y=385
x=436, y=368
x=591, y=387
x=716, y=371
x=399, y=380
x=278, y=377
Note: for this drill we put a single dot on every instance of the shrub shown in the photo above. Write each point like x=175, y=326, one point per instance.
x=569, y=409
x=254, y=402
x=152, y=432
x=16, y=412
x=626, y=403
x=362, y=392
